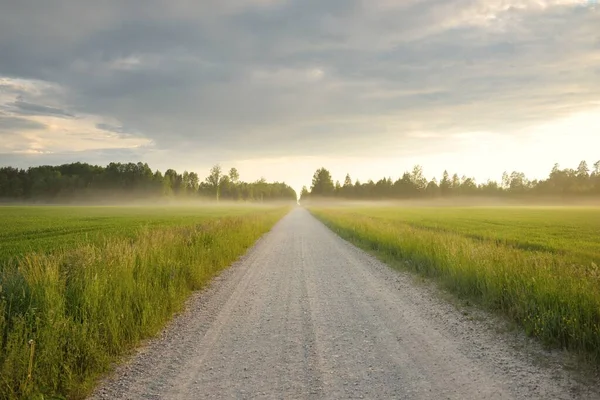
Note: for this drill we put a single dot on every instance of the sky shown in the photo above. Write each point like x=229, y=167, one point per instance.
x=279, y=88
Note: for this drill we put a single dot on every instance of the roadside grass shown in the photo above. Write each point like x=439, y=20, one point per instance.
x=44, y=229
x=88, y=303
x=551, y=288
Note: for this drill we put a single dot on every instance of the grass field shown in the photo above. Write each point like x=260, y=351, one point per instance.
x=27, y=229
x=88, y=283
x=537, y=265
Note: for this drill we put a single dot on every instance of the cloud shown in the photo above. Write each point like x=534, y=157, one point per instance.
x=24, y=108
x=14, y=124
x=113, y=128
x=25, y=158
x=243, y=79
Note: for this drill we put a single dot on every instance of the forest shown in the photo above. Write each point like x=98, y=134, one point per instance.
x=561, y=183
x=119, y=181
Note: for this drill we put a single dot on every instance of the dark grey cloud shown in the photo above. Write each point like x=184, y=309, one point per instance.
x=13, y=125
x=21, y=107
x=112, y=128
x=99, y=157
x=303, y=77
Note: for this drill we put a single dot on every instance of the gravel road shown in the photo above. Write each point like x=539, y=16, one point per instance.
x=306, y=315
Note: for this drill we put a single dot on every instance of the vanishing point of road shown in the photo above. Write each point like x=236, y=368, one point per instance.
x=306, y=315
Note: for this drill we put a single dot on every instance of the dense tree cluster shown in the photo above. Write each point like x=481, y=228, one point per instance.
x=561, y=183
x=81, y=182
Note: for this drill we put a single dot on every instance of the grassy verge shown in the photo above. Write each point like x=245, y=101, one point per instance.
x=87, y=305
x=45, y=229
x=554, y=296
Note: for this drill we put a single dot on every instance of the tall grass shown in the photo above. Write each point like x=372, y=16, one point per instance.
x=86, y=306
x=553, y=297
x=45, y=229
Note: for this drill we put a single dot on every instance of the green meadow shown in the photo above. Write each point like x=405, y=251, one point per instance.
x=537, y=265
x=87, y=284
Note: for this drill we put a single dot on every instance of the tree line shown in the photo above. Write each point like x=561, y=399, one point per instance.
x=560, y=183
x=81, y=182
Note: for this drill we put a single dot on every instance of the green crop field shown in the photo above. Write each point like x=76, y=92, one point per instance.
x=86, y=284
x=539, y=266
x=27, y=229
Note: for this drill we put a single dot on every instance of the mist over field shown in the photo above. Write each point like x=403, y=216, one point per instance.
x=117, y=201
x=464, y=202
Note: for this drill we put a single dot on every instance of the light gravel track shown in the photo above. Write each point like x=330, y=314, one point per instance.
x=305, y=315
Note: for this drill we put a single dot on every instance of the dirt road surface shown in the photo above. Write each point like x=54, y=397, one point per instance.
x=305, y=315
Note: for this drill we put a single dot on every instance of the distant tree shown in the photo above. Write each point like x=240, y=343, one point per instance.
x=119, y=181
x=518, y=182
x=260, y=188
x=226, y=188
x=584, y=182
x=468, y=186
x=384, y=188
x=193, y=181
x=455, y=183
x=322, y=184
x=405, y=187
x=234, y=176
x=185, y=183
x=348, y=180
x=4, y=184
x=595, y=180
x=347, y=190
x=357, y=190
x=174, y=180
x=304, y=193
x=136, y=180
x=419, y=181
x=445, y=184
x=369, y=189
x=505, y=180
x=167, y=187
x=433, y=189
x=583, y=172
x=214, y=180
x=490, y=188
